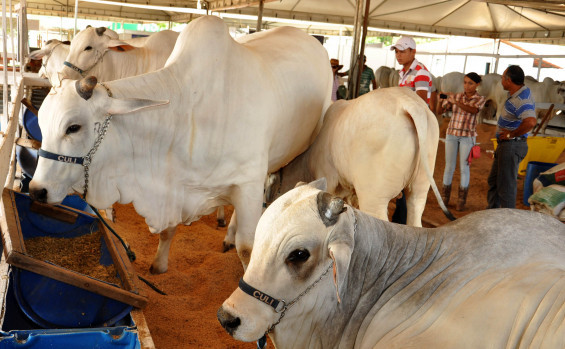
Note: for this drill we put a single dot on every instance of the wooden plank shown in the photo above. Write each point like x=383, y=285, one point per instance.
x=143, y=333
x=7, y=142
x=73, y=278
x=4, y=283
x=28, y=143
x=54, y=212
x=11, y=234
x=119, y=256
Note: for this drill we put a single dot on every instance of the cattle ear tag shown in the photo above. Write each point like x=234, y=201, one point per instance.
x=335, y=276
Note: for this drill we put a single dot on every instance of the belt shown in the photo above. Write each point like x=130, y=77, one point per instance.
x=514, y=139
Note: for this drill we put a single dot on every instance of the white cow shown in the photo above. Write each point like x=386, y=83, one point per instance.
x=211, y=145
x=452, y=82
x=496, y=96
x=492, y=279
x=98, y=52
x=373, y=147
x=52, y=54
x=382, y=76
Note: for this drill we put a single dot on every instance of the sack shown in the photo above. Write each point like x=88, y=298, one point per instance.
x=475, y=153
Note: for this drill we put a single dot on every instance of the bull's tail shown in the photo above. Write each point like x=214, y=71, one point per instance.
x=420, y=119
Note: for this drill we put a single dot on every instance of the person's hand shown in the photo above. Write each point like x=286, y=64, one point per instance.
x=451, y=98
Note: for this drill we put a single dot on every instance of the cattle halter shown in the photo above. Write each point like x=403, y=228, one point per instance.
x=273, y=302
x=83, y=72
x=87, y=159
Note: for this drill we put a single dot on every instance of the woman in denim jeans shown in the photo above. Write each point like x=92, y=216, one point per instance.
x=461, y=135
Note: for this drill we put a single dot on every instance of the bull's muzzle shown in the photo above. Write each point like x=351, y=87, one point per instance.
x=38, y=194
x=228, y=321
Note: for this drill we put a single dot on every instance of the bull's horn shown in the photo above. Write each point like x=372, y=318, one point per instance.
x=85, y=86
x=329, y=208
x=100, y=31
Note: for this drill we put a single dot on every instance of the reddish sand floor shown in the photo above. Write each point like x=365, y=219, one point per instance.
x=201, y=276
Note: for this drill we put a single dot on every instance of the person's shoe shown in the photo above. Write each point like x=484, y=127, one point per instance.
x=445, y=194
x=462, y=199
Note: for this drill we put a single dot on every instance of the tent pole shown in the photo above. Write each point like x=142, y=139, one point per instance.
x=361, y=63
x=351, y=83
x=5, y=113
x=76, y=15
x=260, y=16
x=540, y=60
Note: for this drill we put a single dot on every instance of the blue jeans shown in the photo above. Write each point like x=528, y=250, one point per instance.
x=463, y=145
x=502, y=184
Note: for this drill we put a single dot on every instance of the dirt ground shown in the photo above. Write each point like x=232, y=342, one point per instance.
x=201, y=276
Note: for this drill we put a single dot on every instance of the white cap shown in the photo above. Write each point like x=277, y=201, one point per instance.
x=403, y=43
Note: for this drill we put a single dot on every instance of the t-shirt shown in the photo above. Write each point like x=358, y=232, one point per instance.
x=519, y=106
x=366, y=77
x=417, y=78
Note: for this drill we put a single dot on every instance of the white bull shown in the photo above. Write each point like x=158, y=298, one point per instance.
x=382, y=76
x=52, y=54
x=496, y=96
x=98, y=52
x=373, y=147
x=492, y=279
x=211, y=145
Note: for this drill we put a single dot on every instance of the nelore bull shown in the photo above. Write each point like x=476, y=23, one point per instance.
x=325, y=275
x=369, y=150
x=190, y=137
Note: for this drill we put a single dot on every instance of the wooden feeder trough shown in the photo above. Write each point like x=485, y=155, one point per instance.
x=51, y=295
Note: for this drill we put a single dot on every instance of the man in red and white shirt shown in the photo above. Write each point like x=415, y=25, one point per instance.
x=414, y=74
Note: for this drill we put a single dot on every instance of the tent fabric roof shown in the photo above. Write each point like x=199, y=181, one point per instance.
x=538, y=21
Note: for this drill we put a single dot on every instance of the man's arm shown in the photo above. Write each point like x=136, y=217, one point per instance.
x=526, y=126
x=423, y=94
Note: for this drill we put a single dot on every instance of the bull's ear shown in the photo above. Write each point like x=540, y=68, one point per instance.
x=341, y=242
x=119, y=46
x=125, y=106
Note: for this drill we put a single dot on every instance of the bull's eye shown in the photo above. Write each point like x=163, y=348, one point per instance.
x=72, y=129
x=88, y=48
x=298, y=256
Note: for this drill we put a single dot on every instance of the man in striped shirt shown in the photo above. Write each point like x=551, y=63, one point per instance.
x=415, y=76
x=517, y=119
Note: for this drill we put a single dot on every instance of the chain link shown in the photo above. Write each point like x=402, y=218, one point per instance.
x=88, y=157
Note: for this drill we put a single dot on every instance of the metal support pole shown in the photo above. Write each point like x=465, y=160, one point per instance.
x=5, y=113
x=260, y=16
x=361, y=63
x=351, y=83
x=540, y=61
x=76, y=16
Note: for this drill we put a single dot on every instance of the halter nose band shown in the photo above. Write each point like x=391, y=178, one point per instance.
x=59, y=157
x=255, y=293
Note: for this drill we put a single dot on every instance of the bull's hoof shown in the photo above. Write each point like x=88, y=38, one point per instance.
x=227, y=246
x=221, y=223
x=153, y=270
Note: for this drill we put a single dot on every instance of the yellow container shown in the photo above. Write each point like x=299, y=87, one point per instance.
x=542, y=149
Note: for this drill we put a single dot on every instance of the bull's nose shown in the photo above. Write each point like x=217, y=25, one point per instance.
x=38, y=194
x=228, y=321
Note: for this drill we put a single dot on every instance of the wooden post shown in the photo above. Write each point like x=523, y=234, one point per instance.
x=545, y=117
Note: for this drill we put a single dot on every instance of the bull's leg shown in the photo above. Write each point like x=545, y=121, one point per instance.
x=161, y=261
x=372, y=201
x=221, y=217
x=247, y=201
x=229, y=239
x=416, y=196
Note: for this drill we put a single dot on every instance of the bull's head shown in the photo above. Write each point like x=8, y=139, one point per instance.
x=87, y=49
x=70, y=120
x=298, y=237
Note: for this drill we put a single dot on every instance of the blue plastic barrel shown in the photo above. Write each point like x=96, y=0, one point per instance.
x=532, y=172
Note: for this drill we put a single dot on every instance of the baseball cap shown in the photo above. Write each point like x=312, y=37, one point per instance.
x=403, y=43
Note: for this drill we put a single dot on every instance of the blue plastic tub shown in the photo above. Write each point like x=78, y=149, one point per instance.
x=532, y=172
x=85, y=302
x=18, y=332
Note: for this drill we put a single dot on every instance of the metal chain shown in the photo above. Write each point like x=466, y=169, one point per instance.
x=291, y=303
x=88, y=157
x=287, y=306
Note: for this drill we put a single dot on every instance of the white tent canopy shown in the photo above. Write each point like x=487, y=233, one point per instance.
x=504, y=19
